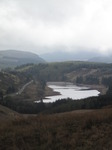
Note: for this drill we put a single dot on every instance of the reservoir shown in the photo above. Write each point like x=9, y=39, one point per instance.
x=69, y=90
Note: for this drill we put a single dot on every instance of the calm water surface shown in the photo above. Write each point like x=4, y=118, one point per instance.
x=70, y=91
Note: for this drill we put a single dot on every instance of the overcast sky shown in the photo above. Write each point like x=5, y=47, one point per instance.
x=46, y=25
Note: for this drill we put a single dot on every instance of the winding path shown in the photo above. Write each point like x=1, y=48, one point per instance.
x=24, y=86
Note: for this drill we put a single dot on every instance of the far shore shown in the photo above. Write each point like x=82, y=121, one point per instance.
x=101, y=88
x=60, y=83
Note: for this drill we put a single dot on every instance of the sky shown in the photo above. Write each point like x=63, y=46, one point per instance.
x=43, y=26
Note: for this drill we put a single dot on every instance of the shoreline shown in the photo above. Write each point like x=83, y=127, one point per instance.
x=101, y=88
x=49, y=91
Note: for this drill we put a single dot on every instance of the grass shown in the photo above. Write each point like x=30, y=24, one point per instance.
x=6, y=113
x=87, y=130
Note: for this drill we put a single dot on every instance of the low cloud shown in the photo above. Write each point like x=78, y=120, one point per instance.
x=42, y=26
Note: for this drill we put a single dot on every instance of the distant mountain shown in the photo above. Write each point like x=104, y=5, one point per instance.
x=106, y=59
x=68, y=56
x=12, y=58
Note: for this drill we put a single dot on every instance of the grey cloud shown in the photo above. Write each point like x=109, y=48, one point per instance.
x=43, y=26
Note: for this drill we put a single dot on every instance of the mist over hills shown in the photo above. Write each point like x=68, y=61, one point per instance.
x=103, y=59
x=91, y=56
x=59, y=56
x=13, y=58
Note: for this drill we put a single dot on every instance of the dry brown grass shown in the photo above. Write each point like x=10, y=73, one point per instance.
x=90, y=130
x=7, y=114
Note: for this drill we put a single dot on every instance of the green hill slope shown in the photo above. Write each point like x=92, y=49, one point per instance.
x=13, y=58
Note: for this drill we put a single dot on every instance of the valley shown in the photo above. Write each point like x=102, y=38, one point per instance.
x=28, y=125
x=55, y=75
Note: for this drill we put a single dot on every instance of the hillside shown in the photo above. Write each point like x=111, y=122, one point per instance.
x=87, y=130
x=74, y=71
x=13, y=58
x=6, y=113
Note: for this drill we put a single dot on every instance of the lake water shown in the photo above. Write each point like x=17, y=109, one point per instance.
x=70, y=91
